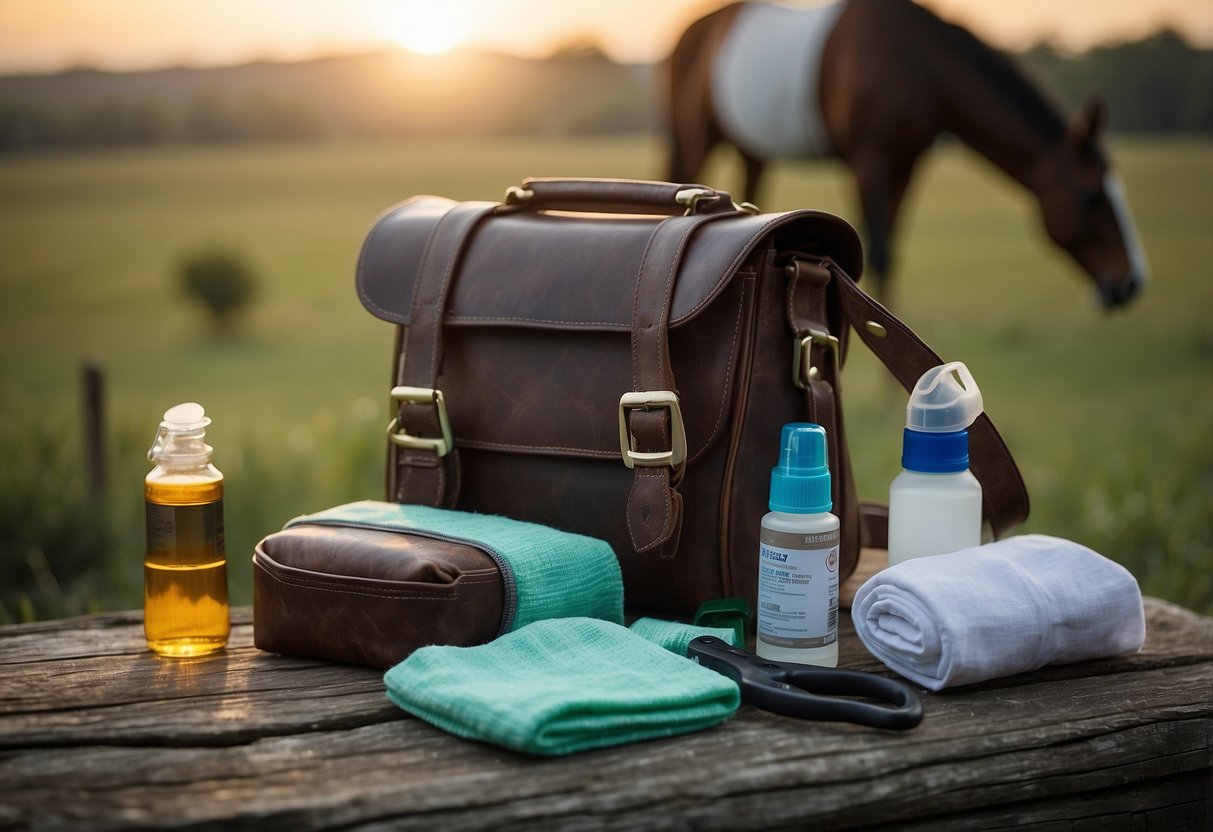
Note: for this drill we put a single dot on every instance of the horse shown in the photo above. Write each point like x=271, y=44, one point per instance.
x=875, y=83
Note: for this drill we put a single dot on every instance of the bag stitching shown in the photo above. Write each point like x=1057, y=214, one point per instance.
x=666, y=522
x=519, y=319
x=480, y=443
x=724, y=396
x=304, y=583
x=360, y=269
x=742, y=253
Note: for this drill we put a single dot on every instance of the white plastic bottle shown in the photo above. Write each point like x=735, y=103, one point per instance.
x=798, y=555
x=935, y=502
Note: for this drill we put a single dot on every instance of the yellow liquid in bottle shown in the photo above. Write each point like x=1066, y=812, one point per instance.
x=185, y=604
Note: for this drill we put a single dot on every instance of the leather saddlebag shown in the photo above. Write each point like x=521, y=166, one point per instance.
x=616, y=358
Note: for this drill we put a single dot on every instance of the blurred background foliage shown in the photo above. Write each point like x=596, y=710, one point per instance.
x=220, y=280
x=1160, y=84
x=106, y=178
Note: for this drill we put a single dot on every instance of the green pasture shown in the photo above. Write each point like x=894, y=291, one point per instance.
x=1110, y=415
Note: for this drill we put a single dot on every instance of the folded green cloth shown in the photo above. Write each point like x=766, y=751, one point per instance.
x=546, y=573
x=559, y=686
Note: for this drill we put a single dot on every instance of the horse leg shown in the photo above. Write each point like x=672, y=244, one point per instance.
x=686, y=151
x=691, y=132
x=689, y=149
x=882, y=186
x=753, y=175
x=693, y=129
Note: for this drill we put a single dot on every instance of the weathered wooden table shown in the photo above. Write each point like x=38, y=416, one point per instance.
x=98, y=733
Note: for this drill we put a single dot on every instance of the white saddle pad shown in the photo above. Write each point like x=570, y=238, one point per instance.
x=764, y=81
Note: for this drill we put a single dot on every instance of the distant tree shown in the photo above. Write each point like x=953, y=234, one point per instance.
x=1157, y=84
x=279, y=117
x=212, y=117
x=582, y=48
x=221, y=280
x=120, y=121
x=26, y=125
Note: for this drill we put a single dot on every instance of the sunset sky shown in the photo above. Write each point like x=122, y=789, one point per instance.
x=43, y=35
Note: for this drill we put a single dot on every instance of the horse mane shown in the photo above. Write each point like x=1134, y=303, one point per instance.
x=997, y=69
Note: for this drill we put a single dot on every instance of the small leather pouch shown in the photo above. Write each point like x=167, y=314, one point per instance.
x=370, y=597
x=368, y=583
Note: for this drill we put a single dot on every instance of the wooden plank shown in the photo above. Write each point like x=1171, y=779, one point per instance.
x=1174, y=804
x=227, y=699
x=79, y=699
x=760, y=768
x=88, y=636
x=246, y=739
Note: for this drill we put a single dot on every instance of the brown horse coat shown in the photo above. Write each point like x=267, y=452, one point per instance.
x=892, y=78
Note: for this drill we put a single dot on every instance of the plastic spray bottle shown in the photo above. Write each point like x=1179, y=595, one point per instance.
x=185, y=605
x=798, y=555
x=935, y=502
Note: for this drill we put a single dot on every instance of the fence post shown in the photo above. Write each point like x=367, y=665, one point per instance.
x=93, y=377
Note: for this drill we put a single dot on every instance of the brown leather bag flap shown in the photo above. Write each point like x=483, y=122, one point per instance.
x=565, y=270
x=527, y=280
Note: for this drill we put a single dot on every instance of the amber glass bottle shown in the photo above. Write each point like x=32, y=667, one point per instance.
x=185, y=606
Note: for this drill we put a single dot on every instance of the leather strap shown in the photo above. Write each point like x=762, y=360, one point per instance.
x=1004, y=495
x=874, y=525
x=654, y=507
x=422, y=476
x=809, y=312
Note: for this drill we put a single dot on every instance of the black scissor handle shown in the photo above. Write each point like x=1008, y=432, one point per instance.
x=808, y=692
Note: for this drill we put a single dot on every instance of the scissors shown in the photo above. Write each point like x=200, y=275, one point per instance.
x=807, y=692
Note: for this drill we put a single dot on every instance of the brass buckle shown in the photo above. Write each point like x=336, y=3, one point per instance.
x=803, y=370
x=691, y=197
x=421, y=395
x=652, y=400
x=514, y=195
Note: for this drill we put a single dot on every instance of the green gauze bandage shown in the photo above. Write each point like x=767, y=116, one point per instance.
x=560, y=686
x=676, y=636
x=546, y=573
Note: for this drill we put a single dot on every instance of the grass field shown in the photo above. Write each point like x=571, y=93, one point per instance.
x=1110, y=416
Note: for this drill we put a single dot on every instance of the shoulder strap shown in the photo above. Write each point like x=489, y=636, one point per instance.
x=1004, y=494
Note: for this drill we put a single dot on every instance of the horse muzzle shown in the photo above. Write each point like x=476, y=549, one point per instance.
x=1120, y=291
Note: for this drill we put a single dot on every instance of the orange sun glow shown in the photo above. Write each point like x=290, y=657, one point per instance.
x=429, y=26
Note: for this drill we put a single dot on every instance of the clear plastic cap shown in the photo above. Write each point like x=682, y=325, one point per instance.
x=187, y=419
x=944, y=400
x=186, y=416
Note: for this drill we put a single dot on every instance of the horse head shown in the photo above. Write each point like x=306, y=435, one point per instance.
x=1086, y=211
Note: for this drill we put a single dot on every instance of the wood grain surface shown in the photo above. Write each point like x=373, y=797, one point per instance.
x=97, y=733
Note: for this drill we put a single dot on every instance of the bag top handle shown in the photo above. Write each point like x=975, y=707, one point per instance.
x=618, y=196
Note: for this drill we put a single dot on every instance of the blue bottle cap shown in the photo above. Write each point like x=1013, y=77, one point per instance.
x=800, y=483
x=935, y=453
